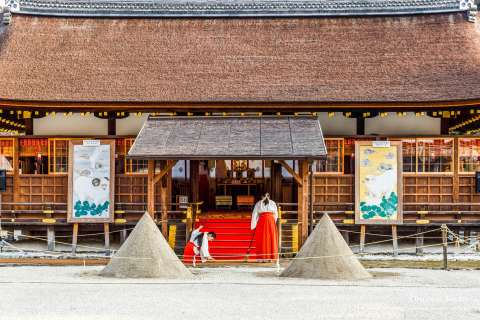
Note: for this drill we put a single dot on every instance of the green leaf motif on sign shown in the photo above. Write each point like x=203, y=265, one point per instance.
x=85, y=209
x=386, y=209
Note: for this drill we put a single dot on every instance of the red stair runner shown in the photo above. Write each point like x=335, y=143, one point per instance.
x=233, y=237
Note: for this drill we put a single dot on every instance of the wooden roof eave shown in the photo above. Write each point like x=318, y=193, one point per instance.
x=227, y=105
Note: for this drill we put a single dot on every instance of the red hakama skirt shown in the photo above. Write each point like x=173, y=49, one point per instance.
x=266, y=237
x=189, y=252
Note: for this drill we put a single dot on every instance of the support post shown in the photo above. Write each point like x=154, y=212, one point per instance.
x=395, y=240
x=16, y=171
x=123, y=235
x=112, y=124
x=106, y=231
x=74, y=238
x=419, y=241
x=360, y=126
x=303, y=202
x=362, y=237
x=29, y=126
x=346, y=236
x=50, y=238
x=279, y=221
x=164, y=200
x=444, y=246
x=194, y=177
x=151, y=188
x=310, y=196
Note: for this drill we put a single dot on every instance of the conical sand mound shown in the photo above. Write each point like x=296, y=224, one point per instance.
x=331, y=257
x=146, y=254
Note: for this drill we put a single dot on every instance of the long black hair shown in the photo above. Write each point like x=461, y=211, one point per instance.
x=199, y=239
x=266, y=199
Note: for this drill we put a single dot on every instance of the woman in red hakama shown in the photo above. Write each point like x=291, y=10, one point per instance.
x=198, y=246
x=264, y=218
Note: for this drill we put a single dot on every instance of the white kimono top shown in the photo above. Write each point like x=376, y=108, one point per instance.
x=261, y=207
x=202, y=249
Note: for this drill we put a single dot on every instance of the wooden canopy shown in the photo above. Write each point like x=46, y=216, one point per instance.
x=266, y=137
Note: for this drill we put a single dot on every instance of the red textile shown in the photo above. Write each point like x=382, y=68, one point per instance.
x=188, y=252
x=266, y=237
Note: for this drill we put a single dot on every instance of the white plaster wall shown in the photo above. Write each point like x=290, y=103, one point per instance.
x=406, y=125
x=337, y=125
x=130, y=125
x=74, y=124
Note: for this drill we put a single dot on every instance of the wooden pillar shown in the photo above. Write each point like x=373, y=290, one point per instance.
x=444, y=125
x=74, y=238
x=276, y=182
x=395, y=240
x=51, y=238
x=303, y=202
x=112, y=124
x=360, y=126
x=164, y=200
x=151, y=188
x=419, y=241
x=194, y=179
x=123, y=235
x=362, y=237
x=456, y=178
x=106, y=231
x=29, y=126
x=16, y=171
x=346, y=236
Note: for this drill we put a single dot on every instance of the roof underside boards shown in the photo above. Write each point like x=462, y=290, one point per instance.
x=422, y=58
x=238, y=8
x=172, y=138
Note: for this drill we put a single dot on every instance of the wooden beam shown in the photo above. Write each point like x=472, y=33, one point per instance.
x=151, y=188
x=222, y=105
x=290, y=170
x=302, y=199
x=161, y=174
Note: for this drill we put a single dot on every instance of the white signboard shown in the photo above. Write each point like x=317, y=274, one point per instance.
x=91, y=194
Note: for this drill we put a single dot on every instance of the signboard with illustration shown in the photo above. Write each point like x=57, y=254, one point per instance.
x=378, y=182
x=91, y=181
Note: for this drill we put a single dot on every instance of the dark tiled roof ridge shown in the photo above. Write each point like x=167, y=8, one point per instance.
x=223, y=8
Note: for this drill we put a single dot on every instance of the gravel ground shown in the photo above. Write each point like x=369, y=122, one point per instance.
x=237, y=293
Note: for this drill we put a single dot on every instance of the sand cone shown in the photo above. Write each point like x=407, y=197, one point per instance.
x=146, y=254
x=338, y=262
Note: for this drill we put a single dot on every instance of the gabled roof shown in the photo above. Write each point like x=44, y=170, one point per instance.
x=412, y=59
x=267, y=137
x=229, y=8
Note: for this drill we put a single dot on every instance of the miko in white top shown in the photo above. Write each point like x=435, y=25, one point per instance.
x=200, y=240
x=261, y=207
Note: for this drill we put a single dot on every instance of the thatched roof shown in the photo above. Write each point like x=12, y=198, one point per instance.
x=408, y=59
x=230, y=138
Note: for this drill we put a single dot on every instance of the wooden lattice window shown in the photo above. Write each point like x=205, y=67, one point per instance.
x=409, y=151
x=7, y=151
x=134, y=166
x=469, y=154
x=58, y=155
x=434, y=155
x=334, y=160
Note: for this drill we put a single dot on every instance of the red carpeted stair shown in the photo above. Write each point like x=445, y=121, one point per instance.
x=233, y=237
